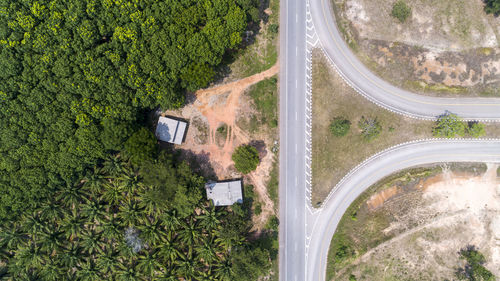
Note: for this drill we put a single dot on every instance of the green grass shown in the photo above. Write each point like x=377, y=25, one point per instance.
x=265, y=99
x=261, y=54
x=272, y=185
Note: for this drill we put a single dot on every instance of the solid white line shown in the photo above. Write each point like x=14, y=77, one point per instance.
x=296, y=149
x=296, y=83
x=296, y=17
x=296, y=116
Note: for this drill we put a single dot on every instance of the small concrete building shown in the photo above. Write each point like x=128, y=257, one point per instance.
x=170, y=130
x=225, y=193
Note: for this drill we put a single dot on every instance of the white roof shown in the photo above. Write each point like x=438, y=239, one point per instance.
x=225, y=193
x=170, y=130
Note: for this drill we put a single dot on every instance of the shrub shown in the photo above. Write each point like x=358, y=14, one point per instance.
x=141, y=146
x=449, y=125
x=370, y=128
x=492, y=6
x=474, y=268
x=476, y=129
x=246, y=159
x=340, y=126
x=401, y=11
x=274, y=28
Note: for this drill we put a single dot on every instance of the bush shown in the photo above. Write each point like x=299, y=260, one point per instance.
x=476, y=129
x=492, y=6
x=273, y=28
x=474, y=268
x=370, y=128
x=401, y=11
x=449, y=125
x=340, y=126
x=246, y=159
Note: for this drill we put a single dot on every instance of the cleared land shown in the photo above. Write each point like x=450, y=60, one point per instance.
x=411, y=225
x=332, y=156
x=445, y=48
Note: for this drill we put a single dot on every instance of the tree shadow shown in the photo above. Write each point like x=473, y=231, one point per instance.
x=199, y=163
x=260, y=145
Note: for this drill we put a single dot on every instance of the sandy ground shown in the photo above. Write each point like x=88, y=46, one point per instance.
x=208, y=110
x=456, y=210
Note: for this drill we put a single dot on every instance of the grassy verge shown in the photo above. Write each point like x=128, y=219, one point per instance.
x=262, y=53
x=334, y=156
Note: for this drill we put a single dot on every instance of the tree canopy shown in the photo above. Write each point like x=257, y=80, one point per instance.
x=449, y=125
x=119, y=223
x=340, y=126
x=246, y=158
x=78, y=74
x=492, y=6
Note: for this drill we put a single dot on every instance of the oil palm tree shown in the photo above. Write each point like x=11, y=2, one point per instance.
x=209, y=219
x=113, y=165
x=111, y=228
x=29, y=256
x=113, y=193
x=130, y=212
x=91, y=243
x=189, y=234
x=88, y=271
x=51, y=211
x=168, y=252
x=71, y=256
x=50, y=240
x=148, y=264
x=187, y=268
x=128, y=272
x=170, y=221
x=94, y=210
x=51, y=271
x=33, y=224
x=72, y=225
x=93, y=181
x=206, y=252
x=71, y=195
x=108, y=261
x=11, y=237
x=149, y=200
x=224, y=271
x=152, y=232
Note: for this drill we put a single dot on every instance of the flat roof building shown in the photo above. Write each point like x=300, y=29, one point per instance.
x=170, y=130
x=225, y=193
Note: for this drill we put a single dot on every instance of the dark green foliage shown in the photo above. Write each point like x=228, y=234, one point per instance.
x=352, y=277
x=77, y=73
x=246, y=159
x=474, y=269
x=340, y=126
x=476, y=129
x=449, y=125
x=118, y=224
x=492, y=6
x=370, y=128
x=401, y=11
x=274, y=28
x=141, y=146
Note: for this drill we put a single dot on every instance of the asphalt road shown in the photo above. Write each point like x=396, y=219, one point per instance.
x=292, y=139
x=382, y=92
x=375, y=169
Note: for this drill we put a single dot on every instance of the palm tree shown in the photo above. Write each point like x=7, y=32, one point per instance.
x=189, y=234
x=113, y=193
x=224, y=271
x=170, y=221
x=187, y=268
x=110, y=228
x=71, y=256
x=113, y=165
x=11, y=237
x=150, y=202
x=50, y=240
x=72, y=225
x=229, y=238
x=51, y=271
x=108, y=261
x=29, y=256
x=209, y=219
x=128, y=272
x=130, y=212
x=131, y=182
x=94, y=210
x=91, y=242
x=88, y=271
x=93, y=181
x=51, y=212
x=206, y=252
x=168, y=251
x=33, y=224
x=71, y=195
x=152, y=232
x=148, y=264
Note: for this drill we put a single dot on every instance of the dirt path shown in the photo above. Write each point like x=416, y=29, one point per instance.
x=222, y=105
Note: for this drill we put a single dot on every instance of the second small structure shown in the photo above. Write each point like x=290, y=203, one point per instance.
x=225, y=193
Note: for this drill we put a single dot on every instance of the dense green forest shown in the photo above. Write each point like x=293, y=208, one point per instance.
x=77, y=76
x=134, y=222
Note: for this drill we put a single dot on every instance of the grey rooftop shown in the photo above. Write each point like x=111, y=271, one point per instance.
x=225, y=193
x=170, y=130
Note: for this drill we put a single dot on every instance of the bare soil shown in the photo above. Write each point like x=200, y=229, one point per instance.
x=211, y=108
x=445, y=48
x=420, y=229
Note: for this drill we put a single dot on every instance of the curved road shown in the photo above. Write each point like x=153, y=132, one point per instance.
x=382, y=92
x=375, y=169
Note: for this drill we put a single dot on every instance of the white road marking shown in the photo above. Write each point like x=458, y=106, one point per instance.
x=296, y=83
x=296, y=116
x=296, y=17
x=296, y=148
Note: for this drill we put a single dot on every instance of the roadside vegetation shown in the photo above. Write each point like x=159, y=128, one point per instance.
x=401, y=11
x=367, y=241
x=246, y=159
x=336, y=105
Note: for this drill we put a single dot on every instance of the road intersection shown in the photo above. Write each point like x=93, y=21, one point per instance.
x=305, y=232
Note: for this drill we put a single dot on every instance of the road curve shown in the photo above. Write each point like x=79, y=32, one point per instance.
x=383, y=93
x=376, y=168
